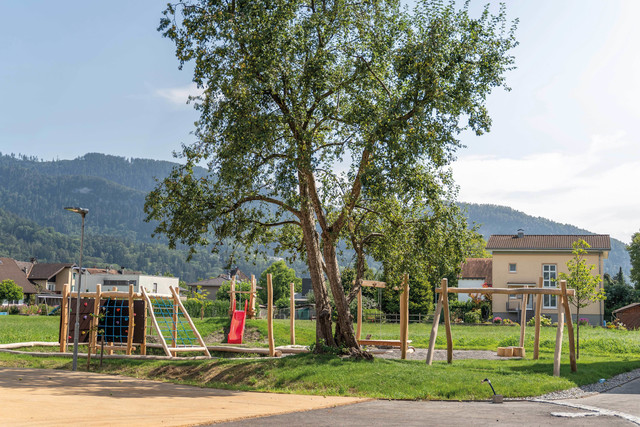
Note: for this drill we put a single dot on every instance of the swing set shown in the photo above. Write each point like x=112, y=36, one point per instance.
x=403, y=342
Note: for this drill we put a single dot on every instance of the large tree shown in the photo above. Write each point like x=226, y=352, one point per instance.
x=634, y=255
x=309, y=105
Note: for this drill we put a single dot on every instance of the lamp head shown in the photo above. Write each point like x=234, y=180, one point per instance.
x=81, y=211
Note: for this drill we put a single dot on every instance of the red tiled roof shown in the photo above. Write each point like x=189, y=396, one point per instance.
x=477, y=268
x=598, y=242
x=9, y=270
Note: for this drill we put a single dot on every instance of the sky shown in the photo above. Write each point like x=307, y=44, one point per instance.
x=79, y=77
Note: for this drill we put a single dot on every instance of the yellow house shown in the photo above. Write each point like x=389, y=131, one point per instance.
x=520, y=260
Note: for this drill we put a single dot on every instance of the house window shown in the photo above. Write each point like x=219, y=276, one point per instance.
x=51, y=286
x=514, y=298
x=512, y=268
x=549, y=276
x=155, y=288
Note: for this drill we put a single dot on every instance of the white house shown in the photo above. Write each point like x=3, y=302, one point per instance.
x=151, y=284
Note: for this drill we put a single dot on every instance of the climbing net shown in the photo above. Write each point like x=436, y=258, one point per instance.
x=173, y=327
x=114, y=320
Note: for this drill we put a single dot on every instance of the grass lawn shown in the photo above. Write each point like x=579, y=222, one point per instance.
x=604, y=353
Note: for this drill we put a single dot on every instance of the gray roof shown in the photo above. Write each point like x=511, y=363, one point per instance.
x=46, y=271
x=10, y=270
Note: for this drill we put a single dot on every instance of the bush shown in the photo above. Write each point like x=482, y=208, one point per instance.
x=473, y=316
x=14, y=309
x=30, y=309
x=459, y=309
x=215, y=308
x=497, y=320
x=508, y=322
x=544, y=321
x=583, y=321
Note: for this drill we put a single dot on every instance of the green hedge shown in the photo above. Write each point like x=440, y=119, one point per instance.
x=215, y=308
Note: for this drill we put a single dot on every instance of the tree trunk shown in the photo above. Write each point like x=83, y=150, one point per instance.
x=314, y=261
x=578, y=332
x=345, y=335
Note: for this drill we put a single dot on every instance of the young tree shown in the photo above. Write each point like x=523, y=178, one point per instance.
x=281, y=276
x=10, y=291
x=308, y=106
x=634, y=254
x=585, y=283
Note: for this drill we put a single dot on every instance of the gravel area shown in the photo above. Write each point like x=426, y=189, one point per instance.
x=572, y=393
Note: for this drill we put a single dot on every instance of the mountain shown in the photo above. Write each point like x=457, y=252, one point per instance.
x=34, y=223
x=494, y=219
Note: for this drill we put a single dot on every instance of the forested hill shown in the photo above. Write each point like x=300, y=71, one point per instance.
x=495, y=219
x=33, y=193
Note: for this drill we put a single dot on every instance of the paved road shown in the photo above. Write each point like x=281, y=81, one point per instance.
x=617, y=407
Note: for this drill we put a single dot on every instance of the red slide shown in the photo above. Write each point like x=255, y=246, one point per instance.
x=236, y=331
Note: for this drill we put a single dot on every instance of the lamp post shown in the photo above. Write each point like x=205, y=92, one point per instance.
x=76, y=331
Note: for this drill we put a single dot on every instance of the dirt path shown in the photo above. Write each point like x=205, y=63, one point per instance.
x=45, y=397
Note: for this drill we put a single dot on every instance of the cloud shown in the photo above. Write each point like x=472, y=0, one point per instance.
x=596, y=188
x=179, y=95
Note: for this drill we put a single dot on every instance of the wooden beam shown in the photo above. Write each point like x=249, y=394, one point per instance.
x=447, y=320
x=404, y=316
x=130, y=325
x=536, y=340
x=270, y=316
x=359, y=329
x=523, y=319
x=508, y=291
x=372, y=284
x=389, y=343
x=95, y=321
x=232, y=296
x=292, y=313
x=64, y=320
x=567, y=311
x=186, y=316
x=558, y=351
x=434, y=331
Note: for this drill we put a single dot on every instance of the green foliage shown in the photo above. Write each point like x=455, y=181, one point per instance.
x=544, y=321
x=382, y=88
x=618, y=295
x=209, y=308
x=281, y=277
x=634, y=254
x=10, y=291
x=581, y=278
x=473, y=316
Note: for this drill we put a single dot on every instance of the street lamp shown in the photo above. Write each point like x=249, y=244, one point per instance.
x=76, y=332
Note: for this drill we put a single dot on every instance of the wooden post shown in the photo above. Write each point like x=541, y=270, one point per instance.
x=174, y=332
x=232, y=295
x=567, y=311
x=252, y=299
x=143, y=345
x=359, y=329
x=558, y=351
x=155, y=324
x=95, y=322
x=130, y=325
x=404, y=317
x=64, y=321
x=292, y=306
x=447, y=320
x=536, y=340
x=523, y=319
x=270, y=316
x=434, y=330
